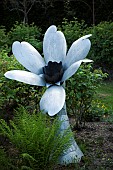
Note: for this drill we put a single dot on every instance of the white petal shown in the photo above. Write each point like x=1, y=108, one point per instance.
x=54, y=45
x=53, y=100
x=58, y=83
x=87, y=60
x=71, y=70
x=25, y=77
x=28, y=56
x=77, y=51
x=85, y=36
x=48, y=85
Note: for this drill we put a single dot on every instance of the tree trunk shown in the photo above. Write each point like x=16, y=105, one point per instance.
x=73, y=153
x=25, y=20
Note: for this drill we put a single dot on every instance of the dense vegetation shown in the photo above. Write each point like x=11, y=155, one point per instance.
x=20, y=126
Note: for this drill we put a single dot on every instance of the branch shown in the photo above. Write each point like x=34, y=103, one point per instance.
x=30, y=7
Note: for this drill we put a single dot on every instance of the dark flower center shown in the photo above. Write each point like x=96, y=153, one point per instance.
x=53, y=72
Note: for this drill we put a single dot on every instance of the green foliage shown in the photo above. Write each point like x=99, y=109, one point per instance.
x=98, y=111
x=37, y=139
x=108, y=117
x=3, y=38
x=7, y=87
x=101, y=40
x=102, y=43
x=72, y=30
x=24, y=32
x=105, y=94
x=103, y=101
x=4, y=161
x=14, y=93
x=80, y=92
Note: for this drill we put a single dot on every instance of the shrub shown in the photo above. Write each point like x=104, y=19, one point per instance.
x=13, y=93
x=98, y=112
x=3, y=38
x=37, y=139
x=24, y=32
x=80, y=92
x=101, y=41
x=102, y=44
x=72, y=30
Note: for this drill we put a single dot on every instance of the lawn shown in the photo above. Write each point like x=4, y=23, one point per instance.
x=105, y=94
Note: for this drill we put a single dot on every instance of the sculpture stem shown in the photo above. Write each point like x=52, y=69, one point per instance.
x=73, y=154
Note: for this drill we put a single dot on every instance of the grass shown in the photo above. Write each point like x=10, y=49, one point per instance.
x=105, y=94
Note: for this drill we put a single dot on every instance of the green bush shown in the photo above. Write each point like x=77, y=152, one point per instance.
x=99, y=112
x=80, y=92
x=72, y=30
x=24, y=32
x=3, y=38
x=37, y=139
x=102, y=44
x=13, y=93
x=101, y=40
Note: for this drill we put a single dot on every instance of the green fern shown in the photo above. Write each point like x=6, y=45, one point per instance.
x=37, y=138
x=4, y=161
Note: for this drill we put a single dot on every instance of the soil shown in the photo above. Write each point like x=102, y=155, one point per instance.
x=96, y=142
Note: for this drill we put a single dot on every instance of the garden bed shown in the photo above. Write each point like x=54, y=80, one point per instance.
x=96, y=139
x=96, y=142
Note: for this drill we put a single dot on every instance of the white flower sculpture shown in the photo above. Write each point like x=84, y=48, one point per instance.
x=53, y=69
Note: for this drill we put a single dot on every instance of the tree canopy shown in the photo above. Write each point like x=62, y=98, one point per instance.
x=47, y=12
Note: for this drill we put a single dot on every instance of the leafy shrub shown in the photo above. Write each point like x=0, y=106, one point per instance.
x=80, y=91
x=102, y=44
x=72, y=30
x=24, y=32
x=3, y=38
x=101, y=41
x=98, y=112
x=37, y=139
x=13, y=93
